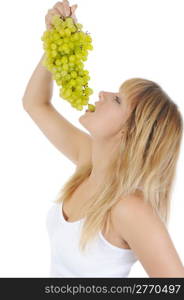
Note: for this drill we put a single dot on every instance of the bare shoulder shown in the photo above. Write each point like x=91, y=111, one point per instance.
x=125, y=212
x=140, y=226
x=133, y=203
x=131, y=210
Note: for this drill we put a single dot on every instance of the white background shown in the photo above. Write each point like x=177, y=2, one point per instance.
x=131, y=39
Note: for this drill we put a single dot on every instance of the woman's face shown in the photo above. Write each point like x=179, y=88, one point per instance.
x=111, y=113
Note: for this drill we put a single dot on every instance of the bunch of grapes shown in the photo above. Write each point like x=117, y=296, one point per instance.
x=66, y=46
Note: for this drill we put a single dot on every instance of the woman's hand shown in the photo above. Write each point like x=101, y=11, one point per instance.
x=61, y=9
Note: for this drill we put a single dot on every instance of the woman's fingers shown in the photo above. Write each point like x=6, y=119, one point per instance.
x=63, y=8
x=66, y=8
x=73, y=8
x=50, y=14
x=59, y=7
x=55, y=11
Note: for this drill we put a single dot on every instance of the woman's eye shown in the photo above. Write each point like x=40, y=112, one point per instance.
x=117, y=99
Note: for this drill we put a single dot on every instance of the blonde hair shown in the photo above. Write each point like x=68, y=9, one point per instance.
x=145, y=161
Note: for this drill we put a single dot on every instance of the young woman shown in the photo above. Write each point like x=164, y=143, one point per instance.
x=114, y=210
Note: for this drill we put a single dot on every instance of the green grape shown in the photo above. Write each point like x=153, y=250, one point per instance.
x=75, y=96
x=79, y=26
x=65, y=67
x=73, y=74
x=76, y=37
x=58, y=75
x=70, y=45
x=63, y=73
x=88, y=38
x=55, y=20
x=80, y=66
x=59, y=42
x=85, y=102
x=79, y=56
x=70, y=69
x=79, y=80
x=88, y=91
x=78, y=87
x=78, y=102
x=66, y=40
x=86, y=72
x=89, y=47
x=68, y=93
x=84, y=82
x=72, y=38
x=80, y=72
x=66, y=47
x=84, y=52
x=72, y=58
x=73, y=29
x=58, y=62
x=53, y=53
x=69, y=22
x=58, y=81
x=67, y=32
x=71, y=64
x=87, y=78
x=59, y=69
x=56, y=36
x=91, y=107
x=64, y=59
x=61, y=32
x=67, y=77
x=60, y=48
x=72, y=82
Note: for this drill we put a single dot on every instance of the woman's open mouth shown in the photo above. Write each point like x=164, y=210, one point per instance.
x=87, y=110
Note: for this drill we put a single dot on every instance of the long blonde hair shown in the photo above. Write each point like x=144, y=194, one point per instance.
x=145, y=161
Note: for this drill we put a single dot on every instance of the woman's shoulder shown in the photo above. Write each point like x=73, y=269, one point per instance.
x=128, y=203
x=146, y=234
x=128, y=211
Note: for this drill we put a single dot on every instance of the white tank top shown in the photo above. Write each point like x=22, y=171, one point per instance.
x=101, y=259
